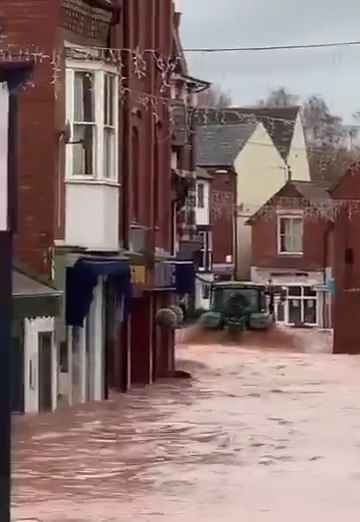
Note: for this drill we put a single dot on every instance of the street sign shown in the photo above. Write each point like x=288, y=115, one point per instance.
x=4, y=132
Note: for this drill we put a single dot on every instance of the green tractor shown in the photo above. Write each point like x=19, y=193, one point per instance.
x=239, y=306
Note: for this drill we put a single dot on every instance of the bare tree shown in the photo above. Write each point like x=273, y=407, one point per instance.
x=215, y=98
x=322, y=128
x=280, y=97
x=328, y=164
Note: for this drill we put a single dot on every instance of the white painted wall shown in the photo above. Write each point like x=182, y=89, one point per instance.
x=92, y=215
x=313, y=278
x=261, y=172
x=77, y=365
x=262, y=275
x=298, y=157
x=203, y=214
x=174, y=160
x=96, y=344
x=86, y=381
x=31, y=354
x=200, y=302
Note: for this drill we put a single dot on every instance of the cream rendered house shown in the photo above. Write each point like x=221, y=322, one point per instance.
x=265, y=153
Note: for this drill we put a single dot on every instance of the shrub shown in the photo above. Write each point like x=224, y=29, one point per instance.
x=179, y=314
x=166, y=318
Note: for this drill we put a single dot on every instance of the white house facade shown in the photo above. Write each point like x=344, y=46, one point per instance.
x=205, y=276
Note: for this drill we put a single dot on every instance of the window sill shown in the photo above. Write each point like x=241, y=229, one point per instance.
x=78, y=180
x=291, y=254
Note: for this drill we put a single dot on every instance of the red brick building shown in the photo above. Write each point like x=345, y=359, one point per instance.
x=223, y=201
x=95, y=180
x=291, y=253
x=346, y=195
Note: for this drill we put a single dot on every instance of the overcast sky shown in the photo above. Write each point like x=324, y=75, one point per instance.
x=333, y=73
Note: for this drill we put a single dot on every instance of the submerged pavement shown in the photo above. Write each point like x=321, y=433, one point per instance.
x=257, y=435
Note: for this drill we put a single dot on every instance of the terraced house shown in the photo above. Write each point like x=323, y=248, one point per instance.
x=264, y=148
x=95, y=189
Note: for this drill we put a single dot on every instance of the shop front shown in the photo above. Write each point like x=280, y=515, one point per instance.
x=152, y=345
x=295, y=305
x=300, y=297
x=98, y=294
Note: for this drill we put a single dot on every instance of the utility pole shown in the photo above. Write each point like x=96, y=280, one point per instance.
x=12, y=74
x=5, y=391
x=5, y=306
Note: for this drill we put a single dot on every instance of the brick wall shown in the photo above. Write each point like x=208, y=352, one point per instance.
x=147, y=24
x=222, y=201
x=41, y=153
x=265, y=245
x=347, y=266
x=35, y=24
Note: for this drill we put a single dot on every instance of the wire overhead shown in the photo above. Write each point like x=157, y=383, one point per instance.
x=273, y=47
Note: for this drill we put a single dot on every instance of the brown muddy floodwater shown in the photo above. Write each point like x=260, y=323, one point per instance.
x=256, y=436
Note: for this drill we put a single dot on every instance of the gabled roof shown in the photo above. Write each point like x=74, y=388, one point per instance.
x=25, y=286
x=31, y=298
x=220, y=144
x=299, y=190
x=278, y=121
x=349, y=190
x=311, y=191
x=203, y=174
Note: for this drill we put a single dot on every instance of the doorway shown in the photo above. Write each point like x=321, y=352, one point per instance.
x=17, y=375
x=45, y=371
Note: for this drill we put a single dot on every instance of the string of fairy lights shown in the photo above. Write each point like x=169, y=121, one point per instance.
x=138, y=64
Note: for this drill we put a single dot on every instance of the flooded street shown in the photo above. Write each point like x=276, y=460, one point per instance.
x=256, y=435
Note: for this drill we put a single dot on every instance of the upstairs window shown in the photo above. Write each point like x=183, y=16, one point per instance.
x=206, y=251
x=200, y=195
x=290, y=235
x=84, y=124
x=92, y=111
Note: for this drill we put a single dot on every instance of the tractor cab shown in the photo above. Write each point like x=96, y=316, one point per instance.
x=239, y=304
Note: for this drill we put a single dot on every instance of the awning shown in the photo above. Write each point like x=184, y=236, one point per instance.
x=33, y=299
x=184, y=277
x=82, y=278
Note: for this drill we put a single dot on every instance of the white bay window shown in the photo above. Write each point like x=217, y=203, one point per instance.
x=92, y=181
x=92, y=112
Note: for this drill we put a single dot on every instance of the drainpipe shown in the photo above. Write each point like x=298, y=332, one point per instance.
x=289, y=172
x=153, y=133
x=233, y=175
x=125, y=138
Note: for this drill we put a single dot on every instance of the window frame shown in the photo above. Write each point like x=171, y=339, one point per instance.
x=100, y=72
x=202, y=185
x=302, y=298
x=206, y=290
x=287, y=217
x=206, y=251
